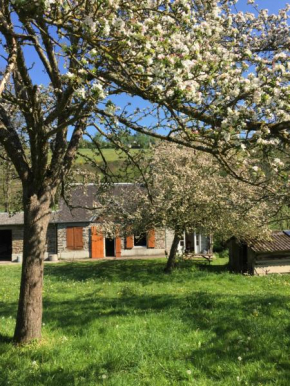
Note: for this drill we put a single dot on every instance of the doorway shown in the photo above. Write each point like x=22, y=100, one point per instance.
x=110, y=247
x=5, y=245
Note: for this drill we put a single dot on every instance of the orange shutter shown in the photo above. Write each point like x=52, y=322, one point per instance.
x=70, y=238
x=130, y=242
x=118, y=246
x=151, y=239
x=78, y=238
x=97, y=244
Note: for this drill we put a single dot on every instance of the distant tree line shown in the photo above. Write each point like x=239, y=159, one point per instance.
x=135, y=141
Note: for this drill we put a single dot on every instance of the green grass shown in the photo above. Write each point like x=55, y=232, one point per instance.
x=115, y=160
x=111, y=155
x=126, y=323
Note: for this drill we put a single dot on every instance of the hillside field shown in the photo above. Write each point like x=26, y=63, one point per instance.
x=111, y=155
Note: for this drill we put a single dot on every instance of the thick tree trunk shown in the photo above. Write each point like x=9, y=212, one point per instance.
x=172, y=255
x=36, y=219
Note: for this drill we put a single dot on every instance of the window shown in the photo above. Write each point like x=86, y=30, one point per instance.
x=140, y=240
x=74, y=238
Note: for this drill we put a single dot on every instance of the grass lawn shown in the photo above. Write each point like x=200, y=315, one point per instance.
x=126, y=323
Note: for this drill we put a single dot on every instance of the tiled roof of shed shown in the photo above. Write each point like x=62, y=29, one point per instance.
x=279, y=241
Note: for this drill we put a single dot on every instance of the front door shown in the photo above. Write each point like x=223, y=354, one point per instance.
x=110, y=247
x=97, y=243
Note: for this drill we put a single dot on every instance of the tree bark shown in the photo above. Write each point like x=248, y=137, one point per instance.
x=172, y=255
x=7, y=181
x=36, y=220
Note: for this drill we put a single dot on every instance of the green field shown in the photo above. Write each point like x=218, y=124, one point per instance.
x=115, y=160
x=111, y=155
x=126, y=323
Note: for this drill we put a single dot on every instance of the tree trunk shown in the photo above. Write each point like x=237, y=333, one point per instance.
x=36, y=219
x=172, y=255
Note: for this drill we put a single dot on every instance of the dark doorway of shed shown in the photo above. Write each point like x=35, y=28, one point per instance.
x=244, y=258
x=5, y=245
x=110, y=247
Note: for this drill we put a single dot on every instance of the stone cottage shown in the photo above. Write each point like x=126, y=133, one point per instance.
x=75, y=232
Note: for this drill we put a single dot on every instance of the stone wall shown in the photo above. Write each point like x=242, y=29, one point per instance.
x=17, y=241
x=51, y=246
x=169, y=236
x=159, y=249
x=62, y=250
x=160, y=239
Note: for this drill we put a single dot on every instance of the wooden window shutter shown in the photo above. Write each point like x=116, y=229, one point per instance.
x=70, y=238
x=78, y=238
x=118, y=246
x=151, y=239
x=130, y=242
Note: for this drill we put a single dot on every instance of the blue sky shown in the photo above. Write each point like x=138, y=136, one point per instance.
x=272, y=5
x=40, y=77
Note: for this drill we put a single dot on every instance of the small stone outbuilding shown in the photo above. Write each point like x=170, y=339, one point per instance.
x=261, y=257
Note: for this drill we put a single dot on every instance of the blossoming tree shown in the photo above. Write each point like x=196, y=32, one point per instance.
x=185, y=190
x=217, y=76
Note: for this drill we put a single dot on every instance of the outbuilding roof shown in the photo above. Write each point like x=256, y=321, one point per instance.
x=279, y=241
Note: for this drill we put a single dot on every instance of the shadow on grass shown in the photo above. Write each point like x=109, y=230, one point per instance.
x=8, y=309
x=141, y=271
x=5, y=338
x=226, y=321
x=204, y=265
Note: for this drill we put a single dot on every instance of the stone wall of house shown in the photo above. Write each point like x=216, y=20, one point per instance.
x=169, y=236
x=63, y=252
x=160, y=239
x=62, y=244
x=17, y=240
x=51, y=247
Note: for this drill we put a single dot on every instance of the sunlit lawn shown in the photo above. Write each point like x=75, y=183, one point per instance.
x=126, y=323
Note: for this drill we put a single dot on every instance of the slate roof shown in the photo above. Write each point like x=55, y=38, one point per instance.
x=8, y=219
x=83, y=205
x=279, y=241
